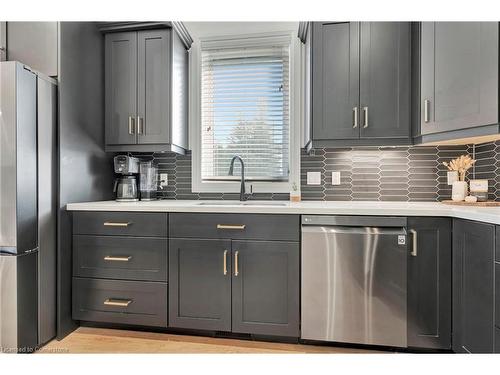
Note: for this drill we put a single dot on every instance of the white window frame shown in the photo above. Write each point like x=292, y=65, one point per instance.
x=200, y=186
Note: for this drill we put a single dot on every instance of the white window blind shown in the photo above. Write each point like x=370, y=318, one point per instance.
x=245, y=111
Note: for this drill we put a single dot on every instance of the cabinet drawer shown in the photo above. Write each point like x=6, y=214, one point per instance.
x=126, y=258
x=236, y=226
x=123, y=302
x=120, y=223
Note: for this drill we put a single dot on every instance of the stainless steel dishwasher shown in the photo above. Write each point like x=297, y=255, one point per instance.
x=354, y=279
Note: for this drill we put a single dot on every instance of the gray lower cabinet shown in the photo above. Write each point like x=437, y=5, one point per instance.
x=138, y=224
x=120, y=268
x=200, y=284
x=360, y=83
x=459, y=76
x=497, y=295
x=497, y=340
x=126, y=258
x=473, y=287
x=146, y=91
x=429, y=283
x=265, y=288
x=240, y=284
x=118, y=301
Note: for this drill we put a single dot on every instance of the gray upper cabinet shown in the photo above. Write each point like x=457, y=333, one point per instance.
x=121, y=88
x=429, y=283
x=473, y=287
x=34, y=44
x=153, y=86
x=360, y=83
x=385, y=80
x=459, y=76
x=265, y=288
x=146, y=91
x=335, y=80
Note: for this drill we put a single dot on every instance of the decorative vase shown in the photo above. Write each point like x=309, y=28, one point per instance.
x=452, y=176
x=459, y=191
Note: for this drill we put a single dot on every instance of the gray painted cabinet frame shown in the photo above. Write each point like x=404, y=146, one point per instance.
x=473, y=287
x=459, y=75
x=429, y=283
x=121, y=88
x=360, y=83
x=146, y=91
x=239, y=286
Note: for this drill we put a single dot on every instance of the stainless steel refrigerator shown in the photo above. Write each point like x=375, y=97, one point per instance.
x=28, y=183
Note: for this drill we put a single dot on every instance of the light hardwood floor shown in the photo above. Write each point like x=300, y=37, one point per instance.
x=101, y=340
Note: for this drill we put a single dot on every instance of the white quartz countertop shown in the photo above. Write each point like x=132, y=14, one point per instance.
x=484, y=214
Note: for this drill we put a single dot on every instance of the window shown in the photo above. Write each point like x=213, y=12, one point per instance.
x=244, y=110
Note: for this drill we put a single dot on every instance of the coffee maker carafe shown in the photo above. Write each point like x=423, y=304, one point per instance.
x=126, y=185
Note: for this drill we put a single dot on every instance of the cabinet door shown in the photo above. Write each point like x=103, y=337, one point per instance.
x=266, y=287
x=335, y=80
x=429, y=283
x=199, y=284
x=154, y=64
x=473, y=287
x=459, y=75
x=385, y=80
x=121, y=88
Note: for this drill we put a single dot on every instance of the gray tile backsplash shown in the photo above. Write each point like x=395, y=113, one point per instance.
x=487, y=166
x=376, y=173
x=380, y=173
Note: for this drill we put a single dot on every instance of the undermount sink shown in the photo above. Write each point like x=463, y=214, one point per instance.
x=250, y=203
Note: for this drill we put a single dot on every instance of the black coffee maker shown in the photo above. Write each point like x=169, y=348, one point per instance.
x=126, y=185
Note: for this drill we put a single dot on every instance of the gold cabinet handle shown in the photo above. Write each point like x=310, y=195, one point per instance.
x=140, y=125
x=117, y=258
x=355, y=117
x=414, y=245
x=236, y=272
x=229, y=226
x=225, y=262
x=114, y=224
x=117, y=302
x=131, y=126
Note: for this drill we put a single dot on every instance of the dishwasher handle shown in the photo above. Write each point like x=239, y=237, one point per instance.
x=355, y=221
x=331, y=229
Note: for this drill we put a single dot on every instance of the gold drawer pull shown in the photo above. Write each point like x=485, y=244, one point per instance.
x=112, y=224
x=228, y=226
x=118, y=302
x=117, y=258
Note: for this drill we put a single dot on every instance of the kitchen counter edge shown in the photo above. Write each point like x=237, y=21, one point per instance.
x=483, y=214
